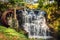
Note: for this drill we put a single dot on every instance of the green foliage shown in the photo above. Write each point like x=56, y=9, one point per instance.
x=46, y=4
x=40, y=3
x=8, y=30
x=2, y=28
x=50, y=5
x=52, y=17
x=13, y=2
x=21, y=4
x=3, y=7
x=10, y=33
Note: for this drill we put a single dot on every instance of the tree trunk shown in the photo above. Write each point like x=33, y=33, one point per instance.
x=15, y=20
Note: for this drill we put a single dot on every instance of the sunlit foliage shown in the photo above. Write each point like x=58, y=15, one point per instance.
x=52, y=17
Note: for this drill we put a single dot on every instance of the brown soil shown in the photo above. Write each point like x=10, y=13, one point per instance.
x=2, y=37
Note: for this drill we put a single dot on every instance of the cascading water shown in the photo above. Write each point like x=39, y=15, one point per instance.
x=35, y=24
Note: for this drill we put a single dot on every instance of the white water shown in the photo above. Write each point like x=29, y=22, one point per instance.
x=35, y=25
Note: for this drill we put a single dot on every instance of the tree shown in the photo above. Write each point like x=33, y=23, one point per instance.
x=3, y=6
x=14, y=4
x=40, y=3
x=58, y=3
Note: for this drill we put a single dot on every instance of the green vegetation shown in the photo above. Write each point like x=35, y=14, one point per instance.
x=15, y=2
x=3, y=7
x=11, y=33
x=11, y=3
x=52, y=15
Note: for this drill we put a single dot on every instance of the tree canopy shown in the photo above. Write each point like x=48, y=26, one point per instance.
x=15, y=1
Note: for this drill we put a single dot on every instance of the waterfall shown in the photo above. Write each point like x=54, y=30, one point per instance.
x=35, y=24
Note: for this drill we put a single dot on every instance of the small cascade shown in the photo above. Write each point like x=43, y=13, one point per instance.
x=35, y=24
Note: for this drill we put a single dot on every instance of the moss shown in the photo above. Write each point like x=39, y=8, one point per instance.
x=11, y=34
